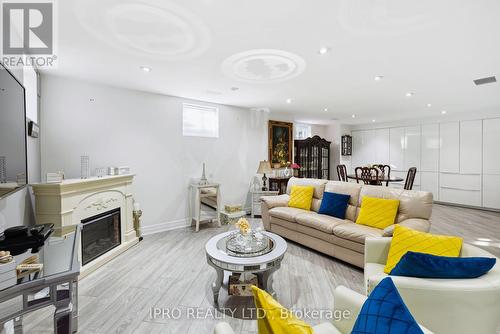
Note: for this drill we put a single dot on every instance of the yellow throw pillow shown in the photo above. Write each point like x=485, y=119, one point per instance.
x=272, y=318
x=378, y=212
x=405, y=239
x=301, y=197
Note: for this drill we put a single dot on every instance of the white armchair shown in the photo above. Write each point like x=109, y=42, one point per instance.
x=455, y=306
x=345, y=299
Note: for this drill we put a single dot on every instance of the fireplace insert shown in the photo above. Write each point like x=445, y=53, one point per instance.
x=100, y=234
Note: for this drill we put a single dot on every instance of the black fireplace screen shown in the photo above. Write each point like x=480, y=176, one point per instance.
x=100, y=234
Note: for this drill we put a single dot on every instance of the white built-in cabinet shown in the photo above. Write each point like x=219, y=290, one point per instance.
x=459, y=162
x=449, y=153
x=429, y=160
x=491, y=163
x=396, y=150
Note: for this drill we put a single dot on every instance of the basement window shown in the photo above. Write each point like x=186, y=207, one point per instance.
x=302, y=131
x=200, y=121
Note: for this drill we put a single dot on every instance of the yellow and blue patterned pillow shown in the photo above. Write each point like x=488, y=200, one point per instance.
x=405, y=239
x=378, y=212
x=301, y=197
x=274, y=318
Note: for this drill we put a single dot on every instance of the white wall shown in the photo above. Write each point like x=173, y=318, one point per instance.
x=334, y=133
x=144, y=131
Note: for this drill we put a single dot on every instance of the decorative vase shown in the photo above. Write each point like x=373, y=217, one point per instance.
x=286, y=172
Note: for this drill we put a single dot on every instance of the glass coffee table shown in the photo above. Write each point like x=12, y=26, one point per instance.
x=262, y=257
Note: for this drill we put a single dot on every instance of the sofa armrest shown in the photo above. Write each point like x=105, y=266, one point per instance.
x=223, y=328
x=377, y=250
x=418, y=224
x=269, y=202
x=346, y=300
x=276, y=201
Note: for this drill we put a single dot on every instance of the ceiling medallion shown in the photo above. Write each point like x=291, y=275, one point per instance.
x=263, y=66
x=153, y=28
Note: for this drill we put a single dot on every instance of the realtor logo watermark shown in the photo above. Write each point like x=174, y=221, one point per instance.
x=28, y=34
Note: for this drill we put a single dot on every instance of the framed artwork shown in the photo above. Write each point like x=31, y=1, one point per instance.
x=280, y=142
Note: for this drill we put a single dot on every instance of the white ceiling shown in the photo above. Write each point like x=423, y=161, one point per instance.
x=433, y=48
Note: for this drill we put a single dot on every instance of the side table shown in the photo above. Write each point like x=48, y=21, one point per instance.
x=256, y=200
x=198, y=195
x=279, y=183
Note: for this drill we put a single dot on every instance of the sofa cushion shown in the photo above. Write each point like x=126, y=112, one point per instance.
x=276, y=318
x=286, y=213
x=356, y=232
x=301, y=197
x=291, y=225
x=317, y=221
x=405, y=239
x=385, y=312
x=414, y=264
x=414, y=204
x=319, y=185
x=334, y=204
x=378, y=212
x=346, y=188
x=305, y=230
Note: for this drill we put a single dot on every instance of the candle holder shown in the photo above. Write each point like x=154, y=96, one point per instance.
x=137, y=223
x=3, y=169
x=84, y=167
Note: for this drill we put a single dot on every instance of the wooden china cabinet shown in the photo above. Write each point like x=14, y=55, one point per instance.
x=313, y=156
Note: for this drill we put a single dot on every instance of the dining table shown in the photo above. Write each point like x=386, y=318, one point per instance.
x=381, y=179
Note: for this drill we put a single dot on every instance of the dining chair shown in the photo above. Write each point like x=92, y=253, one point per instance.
x=342, y=173
x=410, y=177
x=369, y=175
x=386, y=172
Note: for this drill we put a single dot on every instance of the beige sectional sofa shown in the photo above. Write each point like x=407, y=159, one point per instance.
x=343, y=239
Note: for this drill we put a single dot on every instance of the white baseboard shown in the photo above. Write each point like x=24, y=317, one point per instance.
x=175, y=224
x=166, y=226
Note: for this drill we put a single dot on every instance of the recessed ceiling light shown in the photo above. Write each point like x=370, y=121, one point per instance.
x=409, y=94
x=234, y=88
x=145, y=68
x=323, y=50
x=429, y=105
x=288, y=100
x=378, y=77
x=373, y=120
x=443, y=112
x=326, y=109
x=353, y=116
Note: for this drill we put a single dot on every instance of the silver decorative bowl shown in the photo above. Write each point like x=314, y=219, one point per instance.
x=252, y=244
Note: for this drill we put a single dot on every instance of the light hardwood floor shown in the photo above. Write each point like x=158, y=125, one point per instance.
x=169, y=271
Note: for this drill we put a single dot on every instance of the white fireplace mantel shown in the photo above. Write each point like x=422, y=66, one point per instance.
x=67, y=203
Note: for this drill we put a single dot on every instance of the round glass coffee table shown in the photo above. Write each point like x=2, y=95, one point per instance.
x=261, y=257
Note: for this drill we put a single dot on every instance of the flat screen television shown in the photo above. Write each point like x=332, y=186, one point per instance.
x=13, y=161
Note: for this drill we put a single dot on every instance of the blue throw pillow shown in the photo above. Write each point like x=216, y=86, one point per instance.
x=415, y=264
x=385, y=312
x=334, y=204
